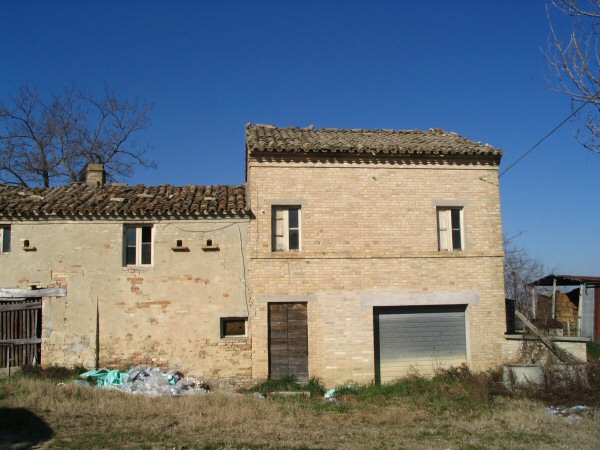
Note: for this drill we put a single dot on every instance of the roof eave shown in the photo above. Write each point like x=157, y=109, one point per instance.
x=242, y=214
x=282, y=153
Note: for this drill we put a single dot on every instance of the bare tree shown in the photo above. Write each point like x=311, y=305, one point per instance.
x=520, y=269
x=575, y=61
x=47, y=141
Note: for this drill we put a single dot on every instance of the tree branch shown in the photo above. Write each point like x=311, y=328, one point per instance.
x=48, y=142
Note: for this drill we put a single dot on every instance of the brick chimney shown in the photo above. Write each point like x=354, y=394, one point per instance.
x=95, y=174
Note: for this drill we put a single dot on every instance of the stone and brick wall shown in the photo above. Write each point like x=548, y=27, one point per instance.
x=369, y=238
x=164, y=315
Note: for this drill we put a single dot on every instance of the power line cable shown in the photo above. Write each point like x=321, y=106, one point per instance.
x=550, y=133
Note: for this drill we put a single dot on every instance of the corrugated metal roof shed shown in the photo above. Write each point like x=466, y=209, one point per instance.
x=567, y=280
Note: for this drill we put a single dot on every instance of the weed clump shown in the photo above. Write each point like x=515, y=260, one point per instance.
x=593, y=350
x=569, y=385
x=52, y=373
x=456, y=389
x=290, y=384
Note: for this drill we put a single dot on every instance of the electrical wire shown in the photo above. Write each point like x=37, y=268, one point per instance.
x=550, y=133
x=245, y=279
x=198, y=231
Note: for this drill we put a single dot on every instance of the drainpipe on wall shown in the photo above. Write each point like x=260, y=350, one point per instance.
x=554, y=299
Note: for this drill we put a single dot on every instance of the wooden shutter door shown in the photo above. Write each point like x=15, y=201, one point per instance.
x=288, y=341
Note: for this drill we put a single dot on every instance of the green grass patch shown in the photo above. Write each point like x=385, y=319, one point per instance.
x=279, y=385
x=593, y=350
x=330, y=407
x=289, y=384
x=455, y=390
x=51, y=373
x=523, y=437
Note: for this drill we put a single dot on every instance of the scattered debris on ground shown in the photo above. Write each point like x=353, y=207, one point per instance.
x=149, y=381
x=289, y=394
x=570, y=414
x=329, y=394
x=332, y=394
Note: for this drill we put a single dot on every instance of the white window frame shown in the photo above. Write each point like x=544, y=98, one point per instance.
x=138, y=244
x=3, y=228
x=445, y=229
x=280, y=240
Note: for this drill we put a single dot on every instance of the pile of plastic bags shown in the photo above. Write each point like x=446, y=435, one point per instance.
x=572, y=414
x=150, y=381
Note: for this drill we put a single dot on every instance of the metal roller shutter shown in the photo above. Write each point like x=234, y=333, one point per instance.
x=421, y=339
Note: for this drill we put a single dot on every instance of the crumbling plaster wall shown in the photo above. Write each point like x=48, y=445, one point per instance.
x=167, y=314
x=370, y=231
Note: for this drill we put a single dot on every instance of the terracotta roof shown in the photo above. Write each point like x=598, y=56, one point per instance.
x=435, y=142
x=117, y=200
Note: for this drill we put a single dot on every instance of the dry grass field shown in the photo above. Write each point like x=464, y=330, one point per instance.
x=457, y=411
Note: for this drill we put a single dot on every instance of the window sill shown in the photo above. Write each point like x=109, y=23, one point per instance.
x=136, y=268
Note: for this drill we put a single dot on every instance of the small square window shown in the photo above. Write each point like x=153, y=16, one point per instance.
x=285, y=228
x=450, y=229
x=233, y=326
x=4, y=238
x=137, y=245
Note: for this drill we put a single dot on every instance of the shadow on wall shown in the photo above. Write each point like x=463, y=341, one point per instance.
x=22, y=429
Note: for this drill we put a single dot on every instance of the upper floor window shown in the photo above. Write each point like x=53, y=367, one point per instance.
x=285, y=228
x=4, y=238
x=450, y=229
x=138, y=245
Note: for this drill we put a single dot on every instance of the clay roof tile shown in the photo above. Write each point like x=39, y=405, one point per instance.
x=434, y=142
x=124, y=201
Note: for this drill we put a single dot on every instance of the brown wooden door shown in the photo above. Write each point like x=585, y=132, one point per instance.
x=288, y=341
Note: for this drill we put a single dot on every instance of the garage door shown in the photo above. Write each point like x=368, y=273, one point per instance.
x=421, y=339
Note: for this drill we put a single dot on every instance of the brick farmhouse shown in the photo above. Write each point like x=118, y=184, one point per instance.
x=347, y=255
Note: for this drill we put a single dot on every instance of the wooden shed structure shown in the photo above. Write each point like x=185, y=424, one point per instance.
x=584, y=298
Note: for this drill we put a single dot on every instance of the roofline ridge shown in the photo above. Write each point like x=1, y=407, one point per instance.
x=115, y=185
x=311, y=127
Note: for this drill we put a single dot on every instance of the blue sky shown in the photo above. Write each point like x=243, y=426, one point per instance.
x=473, y=67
